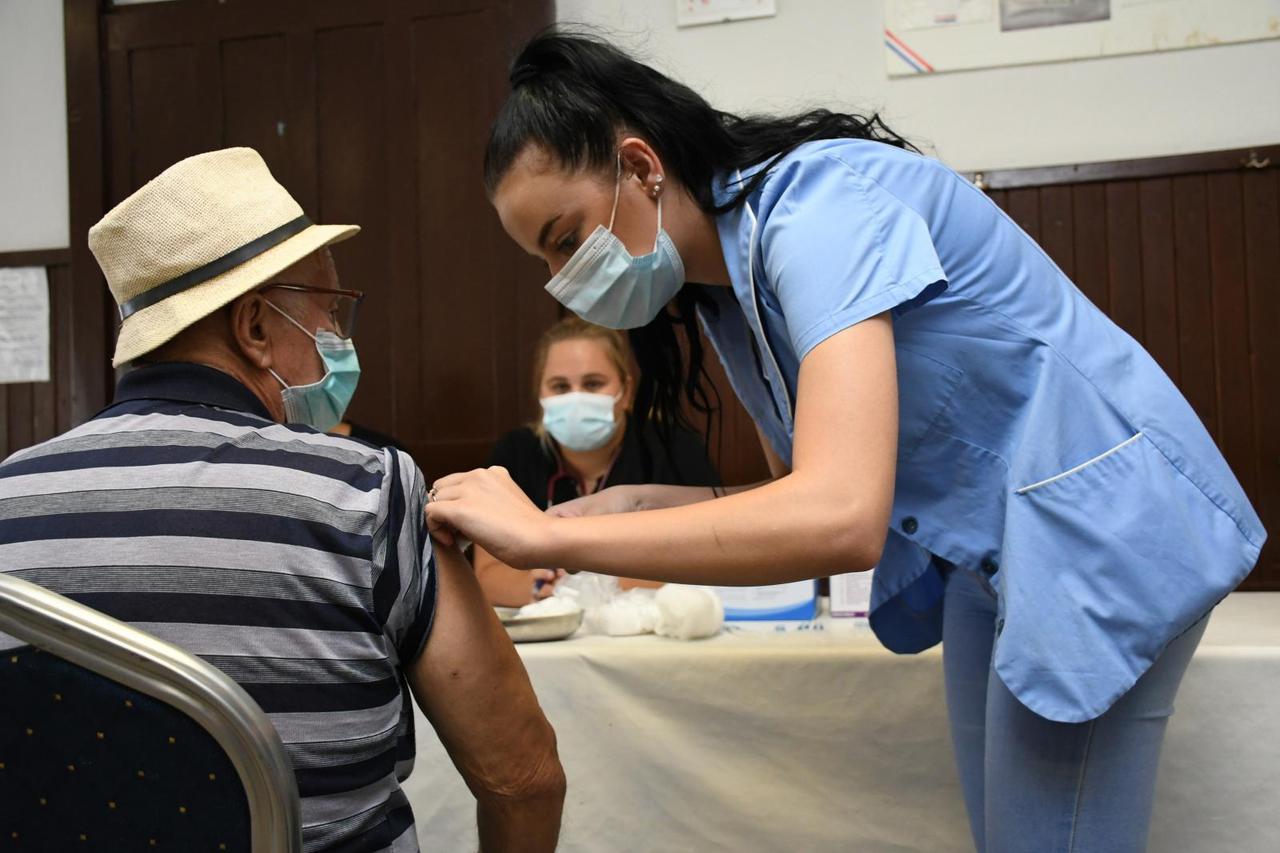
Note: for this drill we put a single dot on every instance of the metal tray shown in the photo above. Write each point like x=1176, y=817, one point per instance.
x=538, y=629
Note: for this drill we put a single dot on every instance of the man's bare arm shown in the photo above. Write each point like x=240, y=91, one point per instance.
x=472, y=686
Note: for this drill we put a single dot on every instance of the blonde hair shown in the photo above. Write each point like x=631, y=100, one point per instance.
x=573, y=328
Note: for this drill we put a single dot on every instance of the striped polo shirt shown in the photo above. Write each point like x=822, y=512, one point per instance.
x=296, y=562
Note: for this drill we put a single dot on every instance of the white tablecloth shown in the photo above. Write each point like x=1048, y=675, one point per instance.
x=820, y=740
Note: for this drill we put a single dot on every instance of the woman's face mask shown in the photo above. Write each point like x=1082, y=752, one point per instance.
x=604, y=284
x=581, y=394
x=322, y=404
x=580, y=420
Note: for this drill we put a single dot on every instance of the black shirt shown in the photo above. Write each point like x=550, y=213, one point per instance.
x=533, y=465
x=372, y=436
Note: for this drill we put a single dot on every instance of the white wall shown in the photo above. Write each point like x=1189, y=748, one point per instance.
x=829, y=53
x=33, y=126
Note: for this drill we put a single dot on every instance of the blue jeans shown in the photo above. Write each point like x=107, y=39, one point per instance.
x=1032, y=785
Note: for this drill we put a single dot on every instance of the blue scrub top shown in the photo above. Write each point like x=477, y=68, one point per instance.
x=1038, y=442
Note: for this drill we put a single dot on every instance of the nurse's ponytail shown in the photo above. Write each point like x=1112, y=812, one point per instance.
x=572, y=93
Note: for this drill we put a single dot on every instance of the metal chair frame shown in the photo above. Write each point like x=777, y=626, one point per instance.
x=134, y=658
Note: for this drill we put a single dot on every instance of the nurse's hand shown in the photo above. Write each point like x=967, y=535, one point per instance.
x=488, y=508
x=604, y=502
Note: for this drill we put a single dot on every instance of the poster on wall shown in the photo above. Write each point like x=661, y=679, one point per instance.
x=932, y=36
x=24, y=324
x=1025, y=14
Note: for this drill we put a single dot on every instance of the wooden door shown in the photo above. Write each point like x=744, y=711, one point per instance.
x=373, y=113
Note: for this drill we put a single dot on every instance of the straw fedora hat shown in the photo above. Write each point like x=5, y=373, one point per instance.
x=204, y=231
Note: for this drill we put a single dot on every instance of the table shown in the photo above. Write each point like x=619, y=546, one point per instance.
x=821, y=740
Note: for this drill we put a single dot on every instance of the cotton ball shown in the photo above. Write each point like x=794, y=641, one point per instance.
x=633, y=612
x=688, y=612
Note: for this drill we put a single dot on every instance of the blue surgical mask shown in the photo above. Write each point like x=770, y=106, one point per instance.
x=604, y=284
x=322, y=404
x=579, y=420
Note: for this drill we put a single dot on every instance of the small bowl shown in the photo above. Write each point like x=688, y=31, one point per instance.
x=539, y=629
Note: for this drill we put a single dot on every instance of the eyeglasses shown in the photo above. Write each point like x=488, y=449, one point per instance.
x=343, y=309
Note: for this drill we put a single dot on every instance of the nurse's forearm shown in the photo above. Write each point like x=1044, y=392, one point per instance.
x=785, y=530
x=655, y=496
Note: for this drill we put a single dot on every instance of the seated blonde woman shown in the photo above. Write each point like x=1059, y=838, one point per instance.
x=588, y=438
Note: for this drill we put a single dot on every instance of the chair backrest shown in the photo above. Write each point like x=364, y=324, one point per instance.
x=113, y=737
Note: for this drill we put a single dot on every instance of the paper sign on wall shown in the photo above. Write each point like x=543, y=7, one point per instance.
x=24, y=324
x=691, y=13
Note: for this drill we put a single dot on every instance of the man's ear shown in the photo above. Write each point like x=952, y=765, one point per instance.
x=249, y=331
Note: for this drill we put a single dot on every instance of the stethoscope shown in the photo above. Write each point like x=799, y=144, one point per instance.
x=562, y=474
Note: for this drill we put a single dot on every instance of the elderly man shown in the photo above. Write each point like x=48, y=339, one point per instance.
x=208, y=506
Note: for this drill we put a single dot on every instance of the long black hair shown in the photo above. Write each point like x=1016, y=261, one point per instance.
x=572, y=93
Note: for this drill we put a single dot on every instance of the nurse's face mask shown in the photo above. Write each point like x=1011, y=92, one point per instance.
x=321, y=404
x=604, y=284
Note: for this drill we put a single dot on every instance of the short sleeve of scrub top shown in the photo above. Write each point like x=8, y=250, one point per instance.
x=837, y=248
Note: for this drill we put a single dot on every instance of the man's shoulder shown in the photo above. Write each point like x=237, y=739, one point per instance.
x=176, y=433
x=396, y=468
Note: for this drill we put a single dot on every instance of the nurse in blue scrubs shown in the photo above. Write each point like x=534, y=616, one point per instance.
x=938, y=403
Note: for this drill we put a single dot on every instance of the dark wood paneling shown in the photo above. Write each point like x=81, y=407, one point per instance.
x=1230, y=334
x=1057, y=226
x=64, y=314
x=473, y=385
x=352, y=177
x=1194, y=287
x=255, y=99
x=20, y=415
x=1023, y=208
x=1261, y=213
x=1089, y=242
x=86, y=337
x=36, y=258
x=166, y=109
x=1124, y=256
x=1159, y=293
